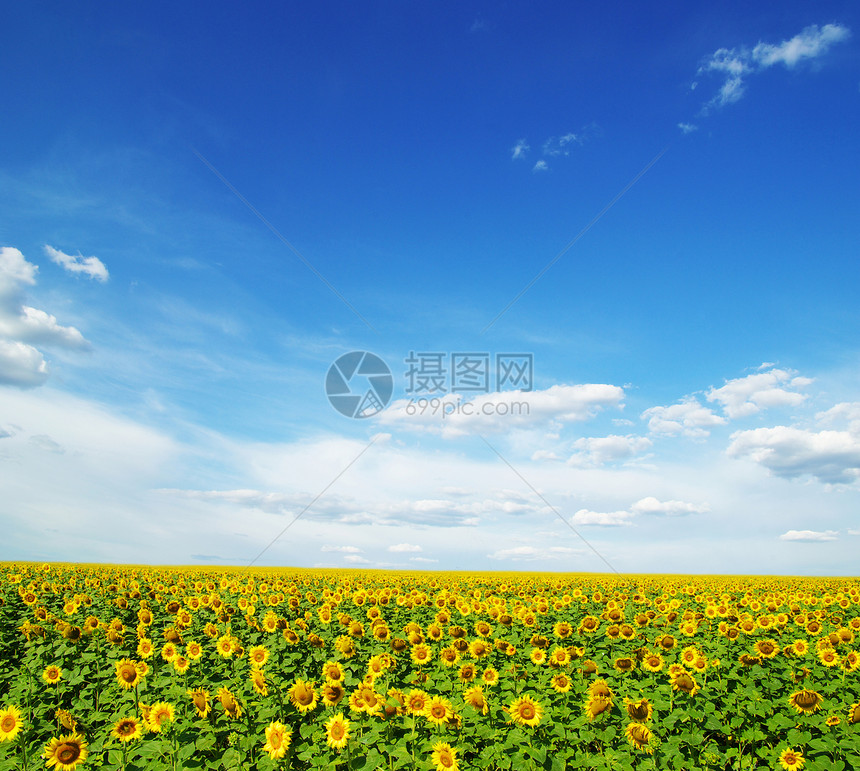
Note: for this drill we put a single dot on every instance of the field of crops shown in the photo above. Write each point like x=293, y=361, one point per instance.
x=112, y=667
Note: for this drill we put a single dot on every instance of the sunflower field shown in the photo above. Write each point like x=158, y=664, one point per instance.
x=124, y=667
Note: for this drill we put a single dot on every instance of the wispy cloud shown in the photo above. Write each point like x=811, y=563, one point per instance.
x=809, y=535
x=92, y=267
x=520, y=150
x=736, y=64
x=540, y=166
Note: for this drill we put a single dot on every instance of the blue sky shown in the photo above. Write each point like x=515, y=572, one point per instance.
x=201, y=209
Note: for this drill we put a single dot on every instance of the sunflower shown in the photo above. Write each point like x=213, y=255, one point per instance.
x=168, y=651
x=596, y=705
x=337, y=731
x=600, y=688
x=438, y=710
x=490, y=676
x=10, y=723
x=333, y=672
x=258, y=681
x=560, y=683
x=145, y=648
x=828, y=657
x=833, y=720
x=278, y=738
x=52, y=674
x=653, y=662
x=229, y=702
x=639, y=735
x=639, y=711
x=560, y=657
x=181, y=664
x=303, y=696
x=200, y=700
x=160, y=713
x=851, y=661
x=444, y=757
x=538, y=656
x=224, y=646
x=589, y=667
x=65, y=719
x=474, y=697
x=791, y=759
x=127, y=728
x=332, y=693
x=66, y=752
x=854, y=713
x=421, y=654
x=416, y=701
x=525, y=711
x=258, y=656
x=127, y=674
x=625, y=664
x=684, y=681
x=467, y=673
x=806, y=701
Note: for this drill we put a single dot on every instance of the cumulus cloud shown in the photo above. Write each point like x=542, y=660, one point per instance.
x=747, y=395
x=687, y=417
x=22, y=327
x=404, y=547
x=846, y=413
x=736, y=64
x=21, y=365
x=651, y=505
x=602, y=518
x=599, y=450
x=341, y=549
x=809, y=535
x=92, y=267
x=832, y=457
x=501, y=412
x=540, y=166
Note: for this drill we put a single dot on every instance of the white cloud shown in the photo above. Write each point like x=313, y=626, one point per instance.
x=424, y=560
x=502, y=412
x=519, y=150
x=404, y=547
x=602, y=518
x=832, y=457
x=356, y=559
x=687, y=417
x=88, y=266
x=341, y=549
x=844, y=412
x=687, y=128
x=747, y=395
x=21, y=365
x=737, y=63
x=22, y=327
x=809, y=535
x=651, y=505
x=30, y=325
x=532, y=553
x=555, y=146
x=810, y=43
x=597, y=450
x=854, y=532
x=540, y=166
